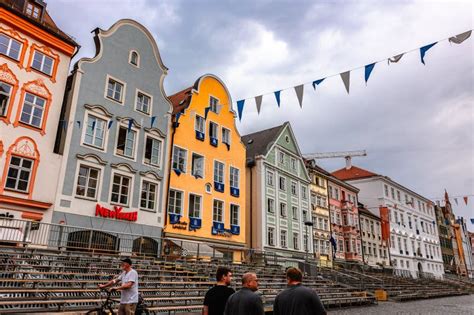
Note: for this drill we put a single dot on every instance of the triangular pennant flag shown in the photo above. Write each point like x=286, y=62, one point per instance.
x=346, y=79
x=395, y=59
x=152, y=121
x=368, y=71
x=472, y=220
x=438, y=203
x=176, y=122
x=277, y=96
x=240, y=108
x=78, y=123
x=458, y=39
x=456, y=201
x=258, y=102
x=206, y=111
x=423, y=51
x=465, y=200
x=299, y=89
x=317, y=82
x=130, y=122
x=109, y=125
x=93, y=125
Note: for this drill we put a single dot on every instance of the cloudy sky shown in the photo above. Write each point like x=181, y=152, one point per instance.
x=415, y=121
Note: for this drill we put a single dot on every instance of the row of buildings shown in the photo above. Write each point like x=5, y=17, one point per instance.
x=105, y=150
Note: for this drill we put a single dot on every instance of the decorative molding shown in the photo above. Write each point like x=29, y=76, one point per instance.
x=1, y=148
x=48, y=52
x=24, y=44
x=91, y=157
x=127, y=119
x=99, y=108
x=155, y=131
x=7, y=76
x=151, y=174
x=37, y=87
x=125, y=166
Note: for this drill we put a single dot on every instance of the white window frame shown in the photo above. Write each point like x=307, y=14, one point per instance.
x=272, y=174
x=174, y=204
x=157, y=192
x=150, y=105
x=76, y=179
x=106, y=133
x=296, y=241
x=43, y=59
x=19, y=168
x=284, y=238
x=227, y=131
x=8, y=98
x=135, y=141
x=160, y=157
x=9, y=48
x=216, y=108
x=223, y=210
x=33, y=106
x=211, y=123
x=280, y=212
x=218, y=175
x=271, y=240
x=284, y=183
x=130, y=188
x=295, y=186
x=130, y=58
x=293, y=162
x=294, y=212
x=194, y=209
x=185, y=164
x=232, y=178
x=267, y=204
x=124, y=90
x=94, y=132
x=232, y=216
x=304, y=192
x=203, y=164
x=197, y=126
x=281, y=157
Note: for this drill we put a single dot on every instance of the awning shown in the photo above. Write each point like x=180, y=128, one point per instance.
x=190, y=248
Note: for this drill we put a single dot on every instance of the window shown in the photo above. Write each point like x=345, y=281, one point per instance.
x=95, y=132
x=134, y=58
x=293, y=164
x=194, y=206
x=294, y=190
x=226, y=136
x=33, y=10
x=217, y=213
x=283, y=239
x=296, y=241
x=148, y=195
x=336, y=193
x=33, y=110
x=281, y=157
x=175, y=205
x=392, y=191
x=143, y=103
x=197, y=167
x=152, y=151
x=199, y=124
x=179, y=159
x=218, y=172
x=305, y=213
x=398, y=195
x=213, y=130
x=270, y=205
x=304, y=193
x=19, y=173
x=270, y=178
x=234, y=214
x=330, y=192
x=42, y=63
x=214, y=104
x=87, y=182
x=271, y=236
x=120, y=189
x=283, y=209
x=234, y=177
x=294, y=210
x=10, y=47
x=5, y=93
x=126, y=142
x=282, y=183
x=386, y=190
x=115, y=90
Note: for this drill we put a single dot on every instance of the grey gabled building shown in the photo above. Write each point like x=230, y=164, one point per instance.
x=114, y=138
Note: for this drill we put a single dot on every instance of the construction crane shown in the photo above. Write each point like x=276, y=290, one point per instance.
x=329, y=155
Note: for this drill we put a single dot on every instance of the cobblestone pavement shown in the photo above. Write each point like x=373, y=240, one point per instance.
x=446, y=306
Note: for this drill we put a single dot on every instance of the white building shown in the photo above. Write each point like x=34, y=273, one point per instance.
x=414, y=241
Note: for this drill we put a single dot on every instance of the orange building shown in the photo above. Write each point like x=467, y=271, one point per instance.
x=206, y=198
x=34, y=63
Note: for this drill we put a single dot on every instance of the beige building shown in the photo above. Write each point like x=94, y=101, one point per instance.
x=375, y=250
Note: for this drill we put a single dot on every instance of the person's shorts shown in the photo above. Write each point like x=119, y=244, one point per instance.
x=127, y=309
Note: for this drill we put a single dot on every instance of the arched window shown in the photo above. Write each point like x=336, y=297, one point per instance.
x=145, y=246
x=134, y=58
x=98, y=241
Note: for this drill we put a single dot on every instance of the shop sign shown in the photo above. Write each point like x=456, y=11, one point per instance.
x=116, y=213
x=6, y=215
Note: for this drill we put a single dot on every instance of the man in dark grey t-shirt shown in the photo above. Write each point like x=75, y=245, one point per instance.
x=245, y=301
x=297, y=299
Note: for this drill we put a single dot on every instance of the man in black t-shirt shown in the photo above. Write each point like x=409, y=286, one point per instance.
x=216, y=297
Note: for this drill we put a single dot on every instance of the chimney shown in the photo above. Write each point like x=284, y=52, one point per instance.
x=348, y=163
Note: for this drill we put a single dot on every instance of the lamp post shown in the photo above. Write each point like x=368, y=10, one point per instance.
x=307, y=224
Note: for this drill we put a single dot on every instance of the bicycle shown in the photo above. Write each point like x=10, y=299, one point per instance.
x=106, y=307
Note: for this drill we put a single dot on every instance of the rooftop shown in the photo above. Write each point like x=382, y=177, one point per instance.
x=353, y=172
x=258, y=143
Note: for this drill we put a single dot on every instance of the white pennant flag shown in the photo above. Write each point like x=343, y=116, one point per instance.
x=346, y=79
x=258, y=102
x=395, y=59
x=299, y=89
x=458, y=39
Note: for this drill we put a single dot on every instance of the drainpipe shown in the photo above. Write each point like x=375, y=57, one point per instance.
x=362, y=241
x=251, y=165
x=170, y=159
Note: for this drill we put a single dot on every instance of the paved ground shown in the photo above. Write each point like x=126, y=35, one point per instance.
x=446, y=306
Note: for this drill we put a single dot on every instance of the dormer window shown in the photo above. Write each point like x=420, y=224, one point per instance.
x=33, y=10
x=134, y=58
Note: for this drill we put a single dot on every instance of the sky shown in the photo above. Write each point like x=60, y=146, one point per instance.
x=415, y=121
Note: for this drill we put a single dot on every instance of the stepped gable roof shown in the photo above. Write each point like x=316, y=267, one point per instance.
x=353, y=172
x=258, y=143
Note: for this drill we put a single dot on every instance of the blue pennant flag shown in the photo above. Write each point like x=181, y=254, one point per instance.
x=153, y=118
x=423, y=51
x=368, y=71
x=109, y=125
x=78, y=123
x=93, y=125
x=277, y=96
x=130, y=122
x=317, y=82
x=240, y=108
x=472, y=220
x=176, y=122
x=206, y=111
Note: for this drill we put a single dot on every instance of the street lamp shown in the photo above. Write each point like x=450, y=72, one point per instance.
x=307, y=224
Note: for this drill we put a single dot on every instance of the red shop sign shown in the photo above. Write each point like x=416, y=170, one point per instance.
x=115, y=214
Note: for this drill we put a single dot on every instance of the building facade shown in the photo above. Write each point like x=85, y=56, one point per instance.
x=206, y=200
x=344, y=215
x=375, y=249
x=447, y=238
x=115, y=140
x=278, y=194
x=34, y=62
x=471, y=240
x=320, y=213
x=465, y=242
x=414, y=241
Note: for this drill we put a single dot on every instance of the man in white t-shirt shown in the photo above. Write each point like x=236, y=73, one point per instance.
x=128, y=288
